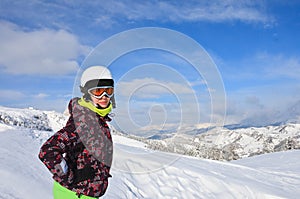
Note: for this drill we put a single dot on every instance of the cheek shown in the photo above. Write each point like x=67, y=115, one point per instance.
x=106, y=102
x=103, y=104
x=94, y=100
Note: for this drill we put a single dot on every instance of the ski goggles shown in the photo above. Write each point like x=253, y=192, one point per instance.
x=100, y=91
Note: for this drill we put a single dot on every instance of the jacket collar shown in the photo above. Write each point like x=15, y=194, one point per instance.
x=102, y=112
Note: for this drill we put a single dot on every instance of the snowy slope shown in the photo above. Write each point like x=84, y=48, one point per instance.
x=141, y=173
x=22, y=175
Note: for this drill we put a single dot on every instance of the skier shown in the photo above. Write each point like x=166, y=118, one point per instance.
x=80, y=154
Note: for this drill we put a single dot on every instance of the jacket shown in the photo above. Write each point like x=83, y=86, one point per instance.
x=85, y=145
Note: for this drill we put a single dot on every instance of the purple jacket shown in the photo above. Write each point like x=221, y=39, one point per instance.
x=85, y=144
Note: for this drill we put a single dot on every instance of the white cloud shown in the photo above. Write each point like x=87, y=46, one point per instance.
x=280, y=65
x=11, y=95
x=262, y=66
x=147, y=101
x=178, y=11
x=152, y=88
x=42, y=101
x=45, y=52
x=109, y=13
x=220, y=11
x=261, y=104
x=41, y=95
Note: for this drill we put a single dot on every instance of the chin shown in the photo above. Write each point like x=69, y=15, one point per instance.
x=103, y=105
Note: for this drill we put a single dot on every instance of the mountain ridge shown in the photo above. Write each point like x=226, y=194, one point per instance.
x=217, y=143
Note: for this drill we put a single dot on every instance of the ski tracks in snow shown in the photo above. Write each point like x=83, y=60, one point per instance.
x=140, y=173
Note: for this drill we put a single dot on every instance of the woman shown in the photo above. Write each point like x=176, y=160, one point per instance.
x=80, y=154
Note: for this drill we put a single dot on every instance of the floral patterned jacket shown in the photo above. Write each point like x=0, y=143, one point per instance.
x=85, y=145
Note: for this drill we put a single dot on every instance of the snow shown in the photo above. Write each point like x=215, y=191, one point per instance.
x=225, y=144
x=22, y=175
x=141, y=173
x=31, y=118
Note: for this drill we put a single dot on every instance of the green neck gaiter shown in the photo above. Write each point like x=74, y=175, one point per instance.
x=89, y=105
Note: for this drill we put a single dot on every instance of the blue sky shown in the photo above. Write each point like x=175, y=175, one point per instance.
x=253, y=44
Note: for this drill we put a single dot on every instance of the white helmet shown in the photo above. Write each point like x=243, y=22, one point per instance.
x=95, y=73
x=96, y=76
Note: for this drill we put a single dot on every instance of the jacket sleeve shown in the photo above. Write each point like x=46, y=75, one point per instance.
x=52, y=151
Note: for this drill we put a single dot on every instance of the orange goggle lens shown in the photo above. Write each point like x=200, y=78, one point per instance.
x=99, y=91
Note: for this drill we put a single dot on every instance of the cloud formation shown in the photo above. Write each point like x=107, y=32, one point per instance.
x=178, y=11
x=152, y=88
x=183, y=11
x=110, y=13
x=279, y=65
x=42, y=52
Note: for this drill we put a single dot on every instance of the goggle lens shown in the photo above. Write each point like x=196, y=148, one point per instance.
x=99, y=91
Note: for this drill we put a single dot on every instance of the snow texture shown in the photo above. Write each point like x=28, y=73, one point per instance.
x=225, y=144
x=139, y=172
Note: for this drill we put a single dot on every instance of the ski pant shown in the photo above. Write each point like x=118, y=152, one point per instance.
x=60, y=192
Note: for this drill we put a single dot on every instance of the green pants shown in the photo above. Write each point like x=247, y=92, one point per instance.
x=60, y=192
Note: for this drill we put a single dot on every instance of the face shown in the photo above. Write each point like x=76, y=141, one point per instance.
x=103, y=102
x=101, y=95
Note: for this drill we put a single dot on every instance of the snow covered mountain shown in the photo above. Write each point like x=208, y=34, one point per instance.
x=226, y=144
x=210, y=143
x=32, y=119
